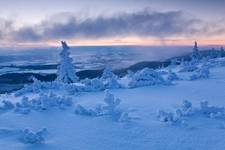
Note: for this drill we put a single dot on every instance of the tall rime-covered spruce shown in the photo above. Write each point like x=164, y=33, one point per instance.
x=66, y=72
x=195, y=53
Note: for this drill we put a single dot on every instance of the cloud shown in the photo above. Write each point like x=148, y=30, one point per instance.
x=141, y=24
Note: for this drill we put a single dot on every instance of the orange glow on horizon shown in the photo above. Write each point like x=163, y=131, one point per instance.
x=122, y=41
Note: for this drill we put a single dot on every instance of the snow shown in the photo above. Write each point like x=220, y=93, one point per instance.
x=184, y=115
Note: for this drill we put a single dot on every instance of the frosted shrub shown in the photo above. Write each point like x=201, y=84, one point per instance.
x=111, y=83
x=189, y=66
x=130, y=74
x=93, y=84
x=201, y=73
x=23, y=106
x=166, y=116
x=177, y=115
x=108, y=108
x=172, y=76
x=38, y=87
x=211, y=111
x=81, y=110
x=185, y=109
x=128, y=116
x=6, y=105
x=111, y=103
x=109, y=79
x=52, y=100
x=146, y=77
x=30, y=137
x=43, y=102
x=107, y=73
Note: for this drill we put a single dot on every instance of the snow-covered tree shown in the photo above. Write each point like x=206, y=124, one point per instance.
x=221, y=53
x=195, y=53
x=66, y=72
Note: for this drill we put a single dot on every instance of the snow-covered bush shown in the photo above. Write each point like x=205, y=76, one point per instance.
x=23, y=106
x=211, y=111
x=111, y=103
x=166, y=116
x=107, y=73
x=6, y=105
x=109, y=79
x=81, y=110
x=30, y=137
x=130, y=74
x=43, y=102
x=93, y=84
x=189, y=66
x=39, y=87
x=202, y=73
x=172, y=76
x=146, y=77
x=112, y=83
x=128, y=116
x=176, y=115
x=109, y=108
x=66, y=72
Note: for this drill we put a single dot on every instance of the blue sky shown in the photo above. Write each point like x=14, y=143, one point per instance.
x=30, y=22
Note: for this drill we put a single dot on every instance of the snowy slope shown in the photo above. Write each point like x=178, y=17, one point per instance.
x=69, y=131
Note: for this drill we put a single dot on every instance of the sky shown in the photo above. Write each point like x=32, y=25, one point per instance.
x=111, y=22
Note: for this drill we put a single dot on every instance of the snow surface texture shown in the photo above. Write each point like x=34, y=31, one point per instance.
x=85, y=115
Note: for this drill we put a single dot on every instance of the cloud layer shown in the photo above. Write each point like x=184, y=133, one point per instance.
x=141, y=24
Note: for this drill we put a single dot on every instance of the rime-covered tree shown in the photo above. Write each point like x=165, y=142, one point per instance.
x=66, y=72
x=195, y=53
x=222, y=52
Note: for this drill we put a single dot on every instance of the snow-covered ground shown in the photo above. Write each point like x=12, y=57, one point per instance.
x=138, y=128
